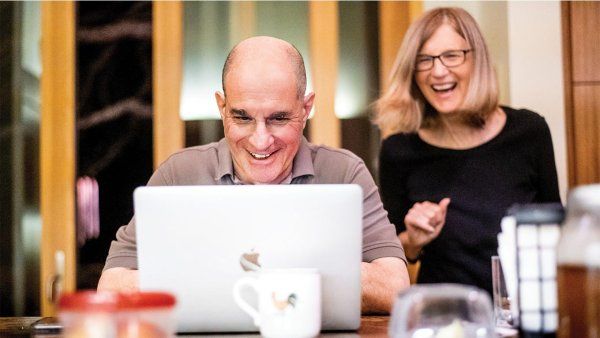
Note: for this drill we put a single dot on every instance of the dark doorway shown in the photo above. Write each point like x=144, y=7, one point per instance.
x=114, y=119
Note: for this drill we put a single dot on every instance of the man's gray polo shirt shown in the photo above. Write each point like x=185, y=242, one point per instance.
x=211, y=164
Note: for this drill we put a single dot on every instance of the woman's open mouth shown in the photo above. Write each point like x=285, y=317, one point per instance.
x=444, y=88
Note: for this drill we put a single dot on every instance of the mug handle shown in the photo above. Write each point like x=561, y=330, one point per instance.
x=237, y=288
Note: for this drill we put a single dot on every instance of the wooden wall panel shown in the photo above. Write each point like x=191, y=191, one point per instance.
x=581, y=47
x=242, y=21
x=394, y=19
x=167, y=61
x=585, y=20
x=586, y=130
x=565, y=8
x=325, y=127
x=57, y=147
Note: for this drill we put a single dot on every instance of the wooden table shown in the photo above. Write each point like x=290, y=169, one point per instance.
x=370, y=327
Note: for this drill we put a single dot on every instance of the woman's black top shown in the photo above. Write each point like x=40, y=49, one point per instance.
x=516, y=166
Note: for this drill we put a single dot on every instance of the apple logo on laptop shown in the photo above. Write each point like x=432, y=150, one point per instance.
x=249, y=261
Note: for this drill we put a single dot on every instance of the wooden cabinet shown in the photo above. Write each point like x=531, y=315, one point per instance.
x=581, y=51
x=586, y=132
x=585, y=40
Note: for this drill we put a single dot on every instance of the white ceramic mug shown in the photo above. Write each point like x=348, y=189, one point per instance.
x=289, y=302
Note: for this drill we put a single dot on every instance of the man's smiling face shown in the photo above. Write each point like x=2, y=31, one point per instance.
x=263, y=117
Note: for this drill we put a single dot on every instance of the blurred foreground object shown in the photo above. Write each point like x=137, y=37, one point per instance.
x=89, y=314
x=578, y=259
x=442, y=311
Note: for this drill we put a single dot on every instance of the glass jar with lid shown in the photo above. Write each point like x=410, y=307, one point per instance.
x=90, y=314
x=578, y=260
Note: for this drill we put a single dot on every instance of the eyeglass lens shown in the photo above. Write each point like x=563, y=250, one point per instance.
x=451, y=58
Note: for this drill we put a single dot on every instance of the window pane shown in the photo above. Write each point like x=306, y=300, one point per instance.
x=20, y=225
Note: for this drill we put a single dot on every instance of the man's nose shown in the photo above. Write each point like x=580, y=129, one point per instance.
x=261, y=138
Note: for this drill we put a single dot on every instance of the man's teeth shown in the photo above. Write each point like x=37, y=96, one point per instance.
x=442, y=87
x=260, y=156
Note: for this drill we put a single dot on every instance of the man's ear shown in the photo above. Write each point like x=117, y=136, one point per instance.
x=221, y=103
x=309, y=100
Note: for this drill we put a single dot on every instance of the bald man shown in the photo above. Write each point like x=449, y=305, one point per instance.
x=264, y=110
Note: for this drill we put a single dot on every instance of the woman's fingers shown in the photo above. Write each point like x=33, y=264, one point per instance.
x=427, y=216
x=444, y=204
x=432, y=211
x=418, y=220
x=440, y=214
x=425, y=220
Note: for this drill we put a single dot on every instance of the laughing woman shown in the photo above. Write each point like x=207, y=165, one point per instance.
x=453, y=160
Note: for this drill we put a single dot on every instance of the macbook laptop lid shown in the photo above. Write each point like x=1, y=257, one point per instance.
x=197, y=241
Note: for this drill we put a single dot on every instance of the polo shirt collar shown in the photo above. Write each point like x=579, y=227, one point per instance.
x=225, y=165
x=302, y=165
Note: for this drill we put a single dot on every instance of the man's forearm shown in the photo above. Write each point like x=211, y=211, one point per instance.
x=119, y=279
x=381, y=280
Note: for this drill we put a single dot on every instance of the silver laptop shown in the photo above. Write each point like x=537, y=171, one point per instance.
x=196, y=241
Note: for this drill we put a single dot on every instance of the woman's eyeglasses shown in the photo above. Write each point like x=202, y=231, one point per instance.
x=451, y=58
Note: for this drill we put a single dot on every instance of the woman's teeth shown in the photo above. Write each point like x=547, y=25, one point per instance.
x=443, y=87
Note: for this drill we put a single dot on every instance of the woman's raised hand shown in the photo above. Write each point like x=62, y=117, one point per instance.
x=424, y=222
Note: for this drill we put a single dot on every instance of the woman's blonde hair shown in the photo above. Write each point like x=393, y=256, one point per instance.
x=402, y=108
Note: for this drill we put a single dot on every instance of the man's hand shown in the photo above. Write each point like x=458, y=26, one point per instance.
x=424, y=222
x=381, y=280
x=119, y=279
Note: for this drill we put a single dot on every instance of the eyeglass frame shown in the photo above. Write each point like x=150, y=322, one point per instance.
x=439, y=57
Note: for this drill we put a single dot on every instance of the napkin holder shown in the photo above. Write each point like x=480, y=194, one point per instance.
x=536, y=234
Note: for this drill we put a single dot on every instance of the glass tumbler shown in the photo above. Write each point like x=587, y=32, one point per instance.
x=442, y=310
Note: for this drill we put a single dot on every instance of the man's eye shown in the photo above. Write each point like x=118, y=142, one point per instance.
x=241, y=118
x=279, y=120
